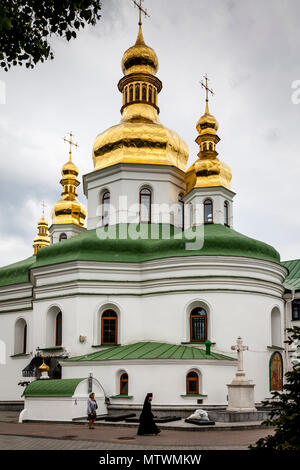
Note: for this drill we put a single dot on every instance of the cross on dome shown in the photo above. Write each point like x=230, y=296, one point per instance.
x=141, y=10
x=70, y=141
x=208, y=90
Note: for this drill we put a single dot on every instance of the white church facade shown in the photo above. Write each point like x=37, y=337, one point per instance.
x=149, y=288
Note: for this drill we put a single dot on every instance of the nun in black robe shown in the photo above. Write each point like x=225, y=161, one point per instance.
x=147, y=424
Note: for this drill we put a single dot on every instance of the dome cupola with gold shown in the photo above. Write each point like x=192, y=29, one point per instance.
x=68, y=210
x=208, y=179
x=42, y=239
x=140, y=137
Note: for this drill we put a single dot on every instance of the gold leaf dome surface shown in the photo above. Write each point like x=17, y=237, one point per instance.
x=140, y=137
x=140, y=58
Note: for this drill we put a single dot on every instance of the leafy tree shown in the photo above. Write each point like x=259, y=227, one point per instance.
x=26, y=27
x=285, y=408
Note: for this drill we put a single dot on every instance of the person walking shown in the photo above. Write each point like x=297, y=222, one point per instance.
x=147, y=424
x=91, y=410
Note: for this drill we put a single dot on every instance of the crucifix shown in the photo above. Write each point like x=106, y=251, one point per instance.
x=139, y=5
x=210, y=90
x=240, y=348
x=43, y=206
x=70, y=141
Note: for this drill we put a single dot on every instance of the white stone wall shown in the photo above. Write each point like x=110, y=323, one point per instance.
x=124, y=182
x=153, y=301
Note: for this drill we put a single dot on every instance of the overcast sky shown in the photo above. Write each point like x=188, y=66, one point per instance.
x=250, y=49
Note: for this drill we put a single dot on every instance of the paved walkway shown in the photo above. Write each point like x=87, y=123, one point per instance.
x=36, y=436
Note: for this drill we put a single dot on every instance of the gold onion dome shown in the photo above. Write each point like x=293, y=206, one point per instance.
x=42, y=239
x=140, y=58
x=68, y=210
x=208, y=170
x=140, y=137
x=44, y=367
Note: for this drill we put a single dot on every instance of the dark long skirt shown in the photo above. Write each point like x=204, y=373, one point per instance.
x=147, y=424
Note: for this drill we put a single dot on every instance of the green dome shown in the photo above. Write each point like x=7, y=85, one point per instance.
x=154, y=243
x=158, y=241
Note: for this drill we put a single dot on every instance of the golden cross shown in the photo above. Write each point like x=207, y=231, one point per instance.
x=43, y=206
x=204, y=85
x=71, y=143
x=141, y=10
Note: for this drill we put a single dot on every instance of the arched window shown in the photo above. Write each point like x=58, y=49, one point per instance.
x=276, y=372
x=155, y=96
x=211, y=146
x=58, y=330
x=181, y=213
x=131, y=93
x=150, y=94
x=109, y=327
x=137, y=92
x=124, y=384
x=208, y=211
x=275, y=327
x=126, y=95
x=198, y=325
x=192, y=383
x=105, y=207
x=63, y=236
x=296, y=310
x=20, y=337
x=145, y=205
x=226, y=213
x=25, y=339
x=144, y=92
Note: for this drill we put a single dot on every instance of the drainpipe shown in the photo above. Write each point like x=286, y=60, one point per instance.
x=285, y=326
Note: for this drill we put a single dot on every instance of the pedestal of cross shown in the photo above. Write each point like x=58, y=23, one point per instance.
x=241, y=390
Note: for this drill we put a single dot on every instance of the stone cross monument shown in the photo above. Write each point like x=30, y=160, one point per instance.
x=241, y=390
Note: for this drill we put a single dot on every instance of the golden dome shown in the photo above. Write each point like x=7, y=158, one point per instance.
x=44, y=367
x=42, y=239
x=70, y=168
x=68, y=210
x=140, y=137
x=140, y=58
x=207, y=122
x=208, y=170
x=140, y=142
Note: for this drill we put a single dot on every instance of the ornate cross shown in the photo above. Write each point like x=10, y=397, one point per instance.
x=43, y=206
x=204, y=85
x=139, y=5
x=240, y=348
x=71, y=143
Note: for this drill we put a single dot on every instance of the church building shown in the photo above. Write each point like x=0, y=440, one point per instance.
x=150, y=287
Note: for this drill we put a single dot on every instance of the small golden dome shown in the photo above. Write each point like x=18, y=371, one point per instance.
x=206, y=122
x=44, y=367
x=69, y=168
x=140, y=58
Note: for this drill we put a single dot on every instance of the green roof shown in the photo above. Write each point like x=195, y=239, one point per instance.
x=98, y=245
x=292, y=281
x=52, y=388
x=16, y=273
x=149, y=350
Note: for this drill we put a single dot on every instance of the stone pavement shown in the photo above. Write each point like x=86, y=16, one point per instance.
x=41, y=436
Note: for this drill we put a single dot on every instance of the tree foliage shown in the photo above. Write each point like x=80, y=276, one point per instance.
x=26, y=27
x=285, y=409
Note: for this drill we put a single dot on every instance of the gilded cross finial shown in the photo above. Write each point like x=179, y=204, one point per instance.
x=210, y=90
x=70, y=141
x=43, y=206
x=142, y=10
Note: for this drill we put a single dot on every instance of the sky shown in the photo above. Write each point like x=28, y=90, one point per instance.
x=250, y=51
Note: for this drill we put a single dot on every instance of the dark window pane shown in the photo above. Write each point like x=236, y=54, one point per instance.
x=208, y=211
x=109, y=330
